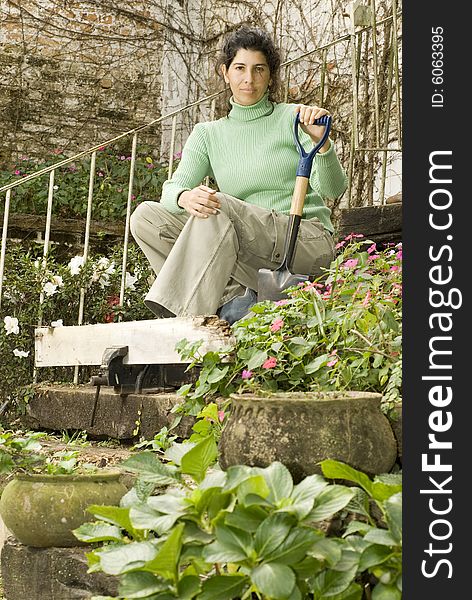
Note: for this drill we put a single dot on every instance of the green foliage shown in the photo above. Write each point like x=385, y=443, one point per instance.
x=340, y=332
x=60, y=281
x=245, y=533
x=71, y=184
x=22, y=453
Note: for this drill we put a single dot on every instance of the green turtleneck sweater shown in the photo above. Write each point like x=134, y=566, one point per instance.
x=251, y=154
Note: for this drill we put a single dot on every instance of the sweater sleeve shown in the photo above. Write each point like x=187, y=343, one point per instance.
x=194, y=166
x=328, y=179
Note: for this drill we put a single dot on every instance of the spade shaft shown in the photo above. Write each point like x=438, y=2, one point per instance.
x=272, y=284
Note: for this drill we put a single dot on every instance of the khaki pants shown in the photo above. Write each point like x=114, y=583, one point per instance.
x=203, y=263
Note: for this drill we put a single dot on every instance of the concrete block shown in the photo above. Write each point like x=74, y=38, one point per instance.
x=119, y=417
x=51, y=573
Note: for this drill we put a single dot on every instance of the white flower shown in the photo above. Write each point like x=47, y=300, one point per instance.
x=57, y=323
x=103, y=269
x=130, y=281
x=49, y=289
x=11, y=325
x=57, y=280
x=36, y=264
x=20, y=353
x=75, y=264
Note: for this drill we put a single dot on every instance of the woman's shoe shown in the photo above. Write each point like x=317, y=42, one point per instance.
x=238, y=307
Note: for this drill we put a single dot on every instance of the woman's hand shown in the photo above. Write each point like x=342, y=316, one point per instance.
x=308, y=115
x=200, y=202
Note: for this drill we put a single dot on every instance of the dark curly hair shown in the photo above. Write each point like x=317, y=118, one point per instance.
x=252, y=38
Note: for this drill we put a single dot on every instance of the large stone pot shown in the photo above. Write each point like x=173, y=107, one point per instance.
x=42, y=510
x=300, y=429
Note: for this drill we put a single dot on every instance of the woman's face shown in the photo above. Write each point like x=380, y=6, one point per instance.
x=248, y=76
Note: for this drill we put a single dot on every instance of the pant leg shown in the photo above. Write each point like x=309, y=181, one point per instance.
x=207, y=259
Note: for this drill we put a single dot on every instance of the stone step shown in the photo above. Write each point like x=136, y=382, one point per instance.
x=59, y=407
x=51, y=574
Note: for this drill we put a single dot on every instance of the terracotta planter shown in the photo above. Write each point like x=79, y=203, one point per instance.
x=42, y=510
x=300, y=429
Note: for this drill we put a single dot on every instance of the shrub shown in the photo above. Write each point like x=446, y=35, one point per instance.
x=341, y=331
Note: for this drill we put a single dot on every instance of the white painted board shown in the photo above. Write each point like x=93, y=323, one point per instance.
x=149, y=342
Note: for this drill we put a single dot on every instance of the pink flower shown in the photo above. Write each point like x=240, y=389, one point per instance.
x=17, y=172
x=373, y=256
x=400, y=254
x=102, y=148
x=340, y=245
x=177, y=155
x=366, y=300
x=333, y=362
x=277, y=324
x=394, y=268
x=246, y=374
x=371, y=249
x=351, y=263
x=221, y=416
x=270, y=363
x=281, y=302
x=353, y=235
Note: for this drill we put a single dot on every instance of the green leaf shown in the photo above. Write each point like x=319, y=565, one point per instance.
x=116, y=560
x=116, y=515
x=167, y=560
x=330, y=501
x=316, y=364
x=380, y=536
x=271, y=533
x=374, y=555
x=223, y=587
x=330, y=583
x=236, y=475
x=274, y=580
x=353, y=592
x=246, y=518
x=279, y=481
x=393, y=515
x=188, y=587
x=149, y=468
x=145, y=517
x=256, y=360
x=328, y=550
x=304, y=494
x=386, y=592
x=334, y=469
x=295, y=546
x=140, y=585
x=196, y=462
x=357, y=527
x=98, y=532
x=382, y=491
x=231, y=545
x=254, y=486
x=177, y=451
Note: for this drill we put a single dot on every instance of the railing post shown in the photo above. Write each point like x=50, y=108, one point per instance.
x=86, y=246
x=128, y=216
x=6, y=212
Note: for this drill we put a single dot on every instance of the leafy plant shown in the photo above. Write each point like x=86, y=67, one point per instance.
x=245, y=533
x=60, y=281
x=71, y=183
x=21, y=452
x=341, y=331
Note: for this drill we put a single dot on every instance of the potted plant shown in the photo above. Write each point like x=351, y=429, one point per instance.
x=47, y=495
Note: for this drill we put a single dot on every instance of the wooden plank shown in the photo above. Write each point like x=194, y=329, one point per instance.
x=382, y=223
x=29, y=223
x=149, y=342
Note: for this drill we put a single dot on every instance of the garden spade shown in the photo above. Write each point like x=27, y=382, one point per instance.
x=272, y=284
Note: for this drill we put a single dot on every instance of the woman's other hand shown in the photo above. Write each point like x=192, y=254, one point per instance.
x=200, y=202
x=308, y=115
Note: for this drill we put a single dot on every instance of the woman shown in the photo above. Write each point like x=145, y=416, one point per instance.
x=206, y=246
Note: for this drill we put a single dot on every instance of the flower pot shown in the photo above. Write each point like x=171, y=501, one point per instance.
x=42, y=510
x=300, y=429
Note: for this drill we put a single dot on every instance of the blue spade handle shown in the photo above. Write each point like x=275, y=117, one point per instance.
x=306, y=159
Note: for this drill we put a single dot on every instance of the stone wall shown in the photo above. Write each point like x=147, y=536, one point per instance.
x=74, y=73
